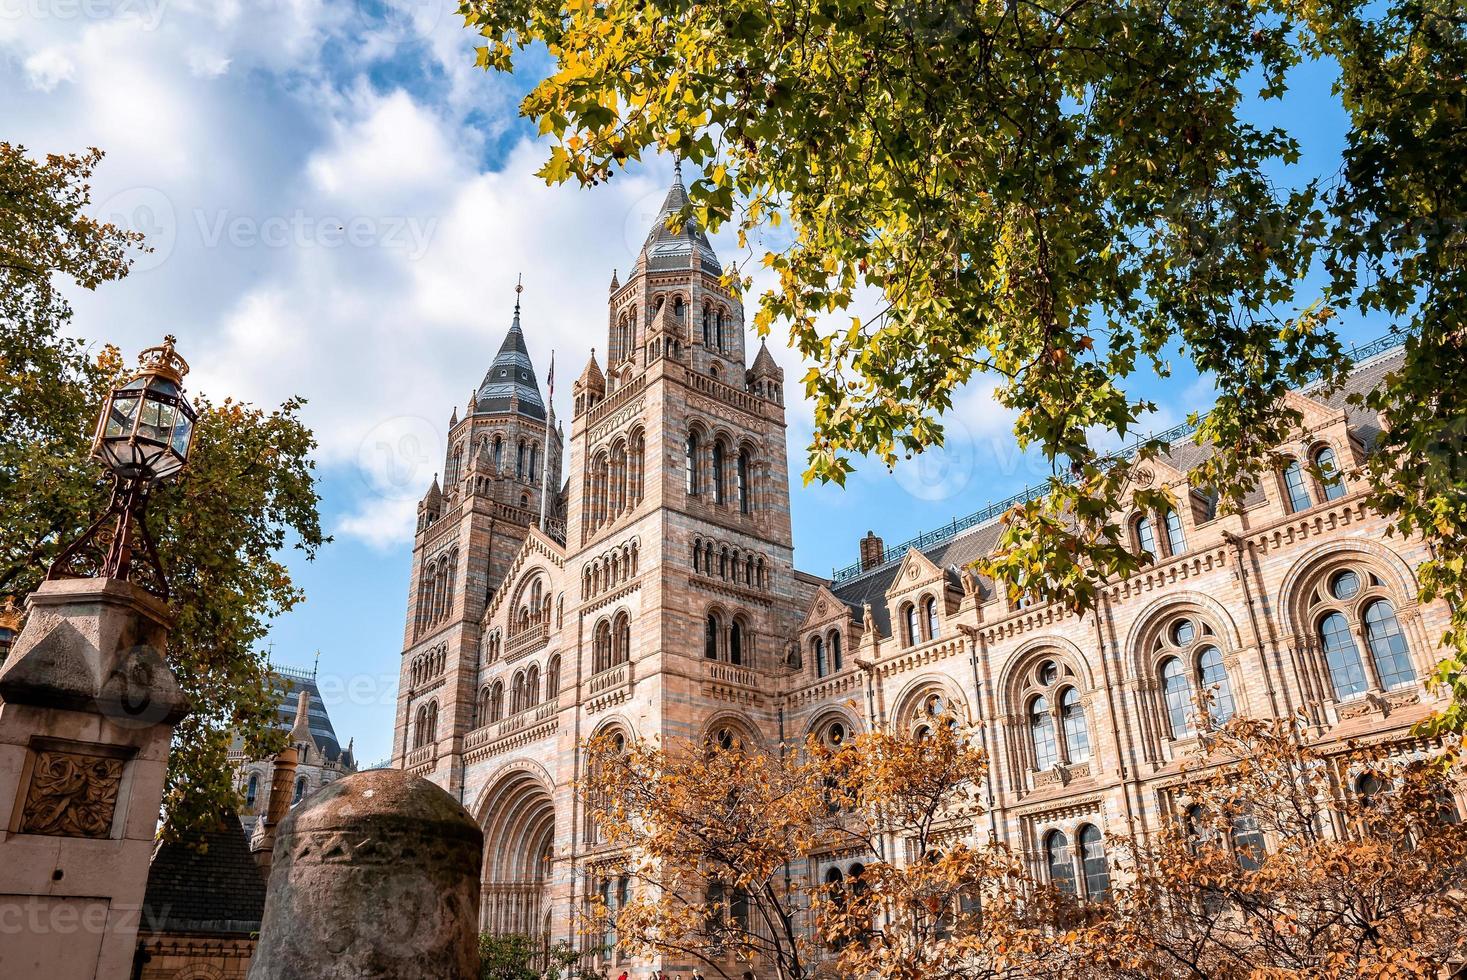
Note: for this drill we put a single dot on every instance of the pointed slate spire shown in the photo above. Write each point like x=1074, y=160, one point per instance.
x=435, y=493
x=615, y=282
x=453, y=419
x=667, y=250
x=511, y=378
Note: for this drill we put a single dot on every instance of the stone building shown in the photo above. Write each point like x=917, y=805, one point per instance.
x=302, y=712
x=662, y=599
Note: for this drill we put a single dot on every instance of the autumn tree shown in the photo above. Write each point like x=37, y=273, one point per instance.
x=1061, y=196
x=1284, y=859
x=722, y=843
x=247, y=497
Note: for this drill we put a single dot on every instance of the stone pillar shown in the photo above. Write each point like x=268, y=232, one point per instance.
x=87, y=708
x=376, y=875
x=282, y=788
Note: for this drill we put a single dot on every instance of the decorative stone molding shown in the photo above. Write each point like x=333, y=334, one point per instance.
x=72, y=792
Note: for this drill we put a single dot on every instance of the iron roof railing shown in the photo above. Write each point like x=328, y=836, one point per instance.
x=989, y=512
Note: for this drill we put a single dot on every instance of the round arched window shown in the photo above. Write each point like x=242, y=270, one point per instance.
x=1344, y=585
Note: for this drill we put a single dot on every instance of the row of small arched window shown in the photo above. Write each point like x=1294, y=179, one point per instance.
x=610, y=569
x=435, y=590
x=428, y=665
x=731, y=564
x=616, y=481
x=524, y=693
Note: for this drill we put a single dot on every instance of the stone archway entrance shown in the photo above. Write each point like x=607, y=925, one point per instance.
x=519, y=838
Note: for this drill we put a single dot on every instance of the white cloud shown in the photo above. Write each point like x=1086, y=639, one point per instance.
x=48, y=68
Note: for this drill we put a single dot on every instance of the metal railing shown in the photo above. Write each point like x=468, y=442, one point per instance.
x=995, y=510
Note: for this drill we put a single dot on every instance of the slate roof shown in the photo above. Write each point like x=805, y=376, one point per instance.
x=512, y=374
x=217, y=890
x=288, y=683
x=667, y=250
x=969, y=545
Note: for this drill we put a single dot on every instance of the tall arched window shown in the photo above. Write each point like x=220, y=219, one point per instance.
x=1176, y=542
x=519, y=461
x=720, y=484
x=1057, y=856
x=1342, y=656
x=817, y=646
x=1041, y=734
x=707, y=325
x=1178, y=694
x=1077, y=732
x=909, y=621
x=692, y=462
x=1214, y=678
x=1329, y=473
x=929, y=613
x=552, y=678
x=1248, y=847
x=252, y=789
x=601, y=647
x=534, y=461
x=532, y=687
x=1145, y=535
x=1092, y=859
x=517, y=693
x=300, y=790
x=496, y=701
x=1296, y=489
x=622, y=651
x=710, y=637
x=677, y=307
x=743, y=482
x=718, y=329
x=1387, y=645
x=735, y=643
x=835, y=653
x=498, y=454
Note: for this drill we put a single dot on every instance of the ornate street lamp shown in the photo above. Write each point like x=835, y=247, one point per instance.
x=144, y=435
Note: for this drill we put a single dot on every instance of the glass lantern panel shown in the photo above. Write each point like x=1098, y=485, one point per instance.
x=182, y=428
x=121, y=411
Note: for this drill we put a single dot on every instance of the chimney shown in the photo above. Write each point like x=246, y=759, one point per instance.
x=282, y=786
x=873, y=551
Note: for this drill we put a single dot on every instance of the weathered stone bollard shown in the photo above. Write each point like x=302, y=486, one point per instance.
x=375, y=876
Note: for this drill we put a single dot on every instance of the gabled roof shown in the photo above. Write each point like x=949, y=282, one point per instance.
x=512, y=375
x=666, y=249
x=207, y=883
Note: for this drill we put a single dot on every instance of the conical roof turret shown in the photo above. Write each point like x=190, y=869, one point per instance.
x=510, y=381
x=591, y=378
x=688, y=246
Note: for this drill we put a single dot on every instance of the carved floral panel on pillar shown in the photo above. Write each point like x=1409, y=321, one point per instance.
x=71, y=795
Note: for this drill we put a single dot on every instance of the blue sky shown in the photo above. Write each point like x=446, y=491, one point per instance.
x=340, y=204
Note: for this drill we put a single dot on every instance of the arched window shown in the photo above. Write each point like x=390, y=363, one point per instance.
x=1296, y=489
x=1178, y=695
x=1248, y=849
x=692, y=462
x=1041, y=734
x=718, y=328
x=1346, y=673
x=909, y=621
x=252, y=789
x=735, y=643
x=534, y=461
x=817, y=648
x=519, y=461
x=1214, y=679
x=300, y=790
x=552, y=678
x=720, y=485
x=622, y=652
x=743, y=482
x=1329, y=473
x=707, y=325
x=1057, y=856
x=835, y=654
x=532, y=687
x=601, y=647
x=496, y=701
x=929, y=613
x=1176, y=542
x=677, y=307
x=1145, y=535
x=1387, y=645
x=498, y=454
x=517, y=693
x=710, y=637
x=1092, y=860
x=1077, y=732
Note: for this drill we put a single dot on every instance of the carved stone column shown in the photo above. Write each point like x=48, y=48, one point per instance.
x=87, y=707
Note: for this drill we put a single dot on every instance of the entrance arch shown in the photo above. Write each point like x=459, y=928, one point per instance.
x=518, y=817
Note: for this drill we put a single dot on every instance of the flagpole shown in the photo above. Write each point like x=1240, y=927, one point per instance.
x=545, y=462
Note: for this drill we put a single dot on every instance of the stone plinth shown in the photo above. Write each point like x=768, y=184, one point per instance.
x=377, y=875
x=87, y=707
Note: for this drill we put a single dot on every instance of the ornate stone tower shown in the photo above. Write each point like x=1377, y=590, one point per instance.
x=502, y=455
x=678, y=459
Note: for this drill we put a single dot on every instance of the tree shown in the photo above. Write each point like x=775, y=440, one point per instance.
x=249, y=491
x=1284, y=859
x=720, y=843
x=515, y=956
x=1059, y=195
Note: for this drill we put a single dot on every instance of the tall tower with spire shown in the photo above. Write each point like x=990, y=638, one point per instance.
x=469, y=528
